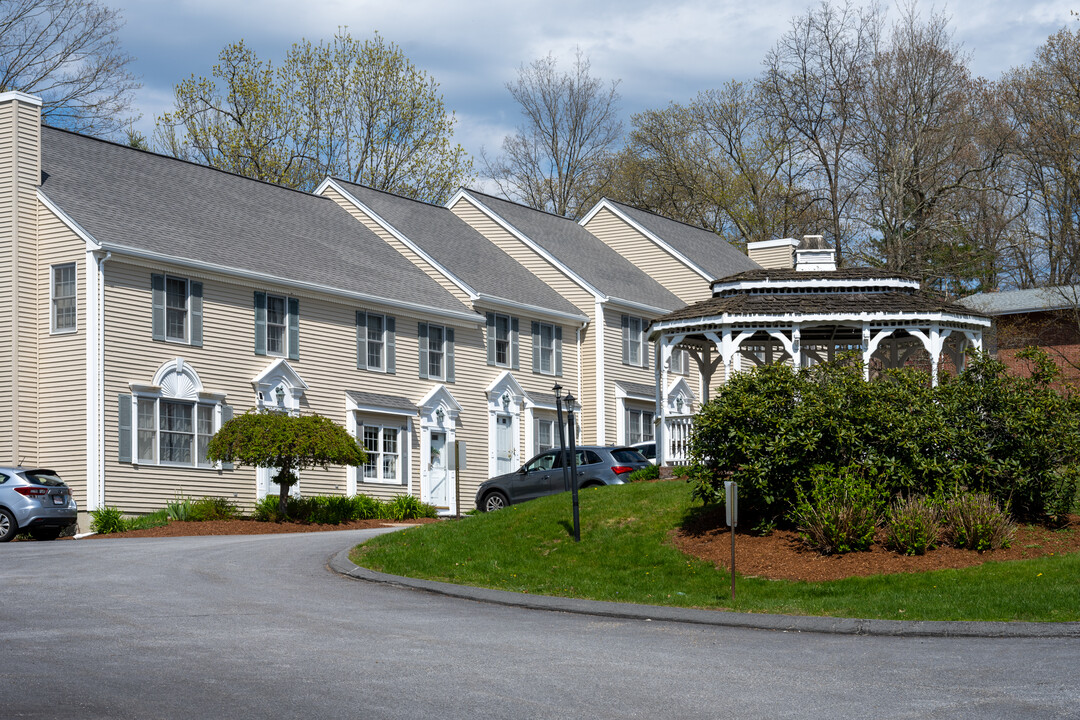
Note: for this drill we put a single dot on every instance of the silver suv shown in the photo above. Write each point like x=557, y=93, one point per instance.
x=543, y=475
x=34, y=501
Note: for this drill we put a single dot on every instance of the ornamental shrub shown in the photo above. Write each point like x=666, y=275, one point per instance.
x=841, y=511
x=974, y=521
x=407, y=507
x=652, y=472
x=212, y=508
x=913, y=525
x=1017, y=439
x=107, y=520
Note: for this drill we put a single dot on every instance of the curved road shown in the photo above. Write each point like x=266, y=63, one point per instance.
x=258, y=627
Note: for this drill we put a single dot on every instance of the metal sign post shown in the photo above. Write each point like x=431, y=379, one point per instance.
x=731, y=500
x=573, y=463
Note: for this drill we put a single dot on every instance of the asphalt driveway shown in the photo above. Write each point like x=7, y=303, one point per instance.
x=258, y=627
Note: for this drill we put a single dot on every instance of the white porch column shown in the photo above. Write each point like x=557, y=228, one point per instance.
x=870, y=346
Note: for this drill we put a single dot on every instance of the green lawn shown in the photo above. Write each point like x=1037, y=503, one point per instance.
x=624, y=556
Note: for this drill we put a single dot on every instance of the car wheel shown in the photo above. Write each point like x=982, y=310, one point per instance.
x=8, y=527
x=45, y=533
x=494, y=500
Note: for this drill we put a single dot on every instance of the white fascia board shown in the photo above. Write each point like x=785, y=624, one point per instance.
x=92, y=244
x=638, y=307
x=885, y=283
x=528, y=242
x=605, y=204
x=791, y=319
x=21, y=97
x=458, y=282
x=463, y=318
x=766, y=244
x=504, y=304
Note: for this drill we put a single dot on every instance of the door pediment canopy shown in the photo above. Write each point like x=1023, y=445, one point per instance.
x=279, y=386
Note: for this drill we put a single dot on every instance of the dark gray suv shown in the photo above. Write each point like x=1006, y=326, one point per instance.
x=543, y=475
x=36, y=502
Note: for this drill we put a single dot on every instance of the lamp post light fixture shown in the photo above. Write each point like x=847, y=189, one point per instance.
x=572, y=427
x=562, y=436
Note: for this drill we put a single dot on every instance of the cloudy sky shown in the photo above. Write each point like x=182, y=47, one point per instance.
x=661, y=50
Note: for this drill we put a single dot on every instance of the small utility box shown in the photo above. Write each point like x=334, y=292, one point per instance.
x=731, y=502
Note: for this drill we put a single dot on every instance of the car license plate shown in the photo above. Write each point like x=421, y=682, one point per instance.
x=59, y=500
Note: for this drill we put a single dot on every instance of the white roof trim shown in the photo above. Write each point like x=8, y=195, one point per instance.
x=638, y=307
x=884, y=282
x=505, y=381
x=766, y=244
x=280, y=368
x=439, y=395
x=610, y=206
x=464, y=317
x=791, y=318
x=68, y=221
x=464, y=194
x=458, y=282
x=21, y=97
x=503, y=303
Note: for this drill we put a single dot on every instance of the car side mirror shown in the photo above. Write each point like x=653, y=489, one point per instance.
x=522, y=471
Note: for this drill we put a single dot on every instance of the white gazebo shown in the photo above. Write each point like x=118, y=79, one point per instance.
x=802, y=316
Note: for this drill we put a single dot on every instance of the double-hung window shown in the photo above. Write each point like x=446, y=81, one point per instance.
x=635, y=349
x=546, y=437
x=547, y=349
x=639, y=426
x=383, y=447
x=277, y=326
x=436, y=345
x=63, y=298
x=502, y=340
x=680, y=361
x=375, y=342
x=177, y=309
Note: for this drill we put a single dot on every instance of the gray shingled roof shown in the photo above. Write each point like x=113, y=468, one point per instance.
x=461, y=249
x=1011, y=302
x=584, y=253
x=710, y=252
x=139, y=200
x=389, y=402
x=638, y=389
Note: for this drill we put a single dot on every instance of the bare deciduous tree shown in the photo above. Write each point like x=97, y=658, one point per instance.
x=555, y=161
x=67, y=52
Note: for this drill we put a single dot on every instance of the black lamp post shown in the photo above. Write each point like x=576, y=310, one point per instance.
x=562, y=437
x=573, y=462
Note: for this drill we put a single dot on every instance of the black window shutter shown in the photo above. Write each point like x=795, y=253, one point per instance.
x=421, y=333
x=558, y=350
x=391, y=346
x=449, y=355
x=294, y=329
x=536, y=346
x=515, y=362
x=361, y=340
x=196, y=305
x=260, y=323
x=491, y=338
x=124, y=427
x=157, y=306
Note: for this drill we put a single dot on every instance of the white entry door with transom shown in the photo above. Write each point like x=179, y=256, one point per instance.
x=438, y=484
x=439, y=413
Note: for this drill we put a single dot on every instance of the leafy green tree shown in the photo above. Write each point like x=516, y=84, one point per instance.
x=358, y=110
x=289, y=443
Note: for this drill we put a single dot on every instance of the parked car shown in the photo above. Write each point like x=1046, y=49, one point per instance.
x=543, y=475
x=34, y=501
x=648, y=449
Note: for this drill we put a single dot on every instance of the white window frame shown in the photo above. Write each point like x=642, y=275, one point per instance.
x=636, y=425
x=679, y=361
x=284, y=325
x=436, y=350
x=636, y=344
x=550, y=349
x=156, y=404
x=508, y=361
x=377, y=340
x=377, y=457
x=55, y=298
x=186, y=309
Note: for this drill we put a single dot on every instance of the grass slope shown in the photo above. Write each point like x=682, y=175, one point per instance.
x=623, y=556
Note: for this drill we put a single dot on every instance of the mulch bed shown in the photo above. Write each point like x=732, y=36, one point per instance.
x=782, y=555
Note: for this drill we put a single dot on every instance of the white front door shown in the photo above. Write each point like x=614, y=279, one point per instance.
x=438, y=477
x=265, y=485
x=505, y=462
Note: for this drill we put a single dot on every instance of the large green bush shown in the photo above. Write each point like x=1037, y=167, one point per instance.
x=1017, y=439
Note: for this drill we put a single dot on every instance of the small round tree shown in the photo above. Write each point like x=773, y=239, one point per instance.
x=290, y=443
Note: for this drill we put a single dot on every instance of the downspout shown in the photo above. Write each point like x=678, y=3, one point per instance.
x=580, y=385
x=601, y=399
x=95, y=480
